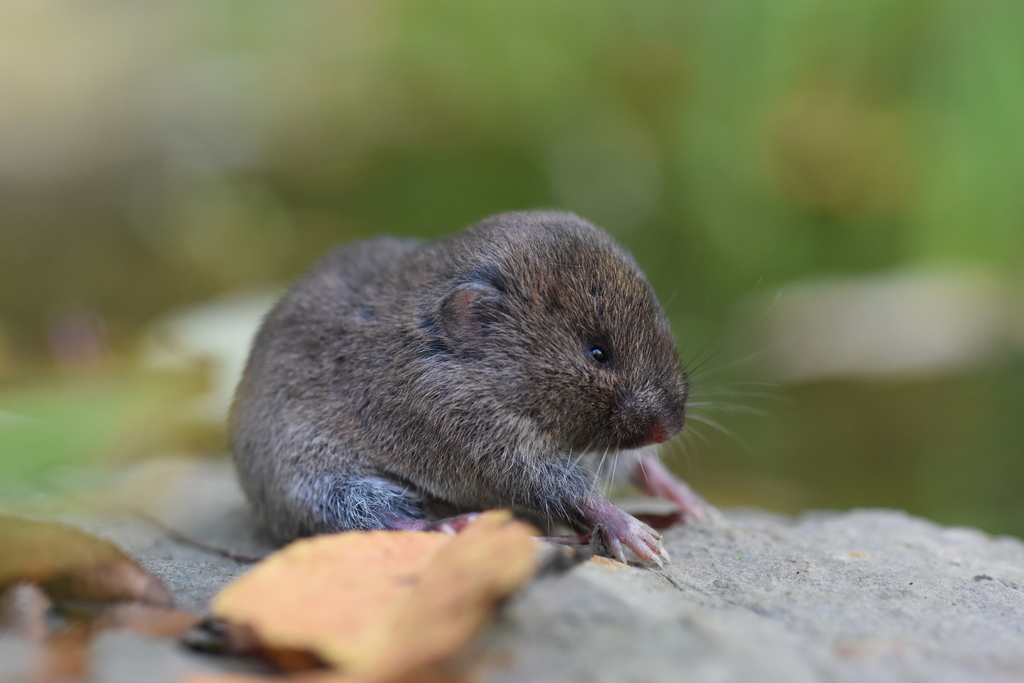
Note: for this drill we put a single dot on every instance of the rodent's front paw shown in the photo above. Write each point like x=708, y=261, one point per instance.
x=620, y=528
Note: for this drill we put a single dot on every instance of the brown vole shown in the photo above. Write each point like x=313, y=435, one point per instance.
x=503, y=366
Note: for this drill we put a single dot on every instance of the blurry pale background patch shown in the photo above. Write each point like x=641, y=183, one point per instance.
x=898, y=324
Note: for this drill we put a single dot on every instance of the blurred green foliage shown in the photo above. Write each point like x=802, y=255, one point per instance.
x=163, y=153
x=76, y=421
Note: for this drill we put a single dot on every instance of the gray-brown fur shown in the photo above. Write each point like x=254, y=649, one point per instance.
x=400, y=377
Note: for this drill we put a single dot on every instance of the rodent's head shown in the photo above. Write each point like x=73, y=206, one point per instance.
x=562, y=325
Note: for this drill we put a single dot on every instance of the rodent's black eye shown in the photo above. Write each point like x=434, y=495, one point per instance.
x=598, y=354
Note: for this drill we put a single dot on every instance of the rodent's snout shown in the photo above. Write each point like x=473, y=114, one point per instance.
x=648, y=416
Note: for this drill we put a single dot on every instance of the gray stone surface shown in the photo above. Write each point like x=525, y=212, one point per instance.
x=126, y=657
x=17, y=659
x=868, y=595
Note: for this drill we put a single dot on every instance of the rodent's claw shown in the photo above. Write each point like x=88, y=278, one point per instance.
x=614, y=547
x=643, y=541
x=618, y=528
x=658, y=561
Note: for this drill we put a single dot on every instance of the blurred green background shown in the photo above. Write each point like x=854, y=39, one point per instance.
x=860, y=164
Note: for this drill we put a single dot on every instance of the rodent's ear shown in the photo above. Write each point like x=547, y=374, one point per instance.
x=467, y=309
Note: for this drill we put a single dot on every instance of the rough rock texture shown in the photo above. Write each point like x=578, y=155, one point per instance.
x=869, y=595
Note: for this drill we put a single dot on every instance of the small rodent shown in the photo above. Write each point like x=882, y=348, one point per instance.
x=505, y=366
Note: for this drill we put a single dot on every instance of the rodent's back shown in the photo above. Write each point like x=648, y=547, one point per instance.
x=311, y=365
x=333, y=315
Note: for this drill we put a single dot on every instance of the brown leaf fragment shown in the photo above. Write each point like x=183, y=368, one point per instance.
x=384, y=605
x=319, y=676
x=71, y=564
x=160, y=622
x=216, y=636
x=66, y=657
x=23, y=610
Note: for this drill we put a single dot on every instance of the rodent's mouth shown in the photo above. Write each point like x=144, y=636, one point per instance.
x=645, y=434
x=635, y=442
x=646, y=417
x=629, y=427
x=615, y=444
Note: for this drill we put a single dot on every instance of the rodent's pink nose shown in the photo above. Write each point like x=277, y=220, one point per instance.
x=658, y=433
x=645, y=418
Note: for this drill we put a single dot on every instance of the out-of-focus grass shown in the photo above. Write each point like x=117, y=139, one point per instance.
x=93, y=421
x=208, y=146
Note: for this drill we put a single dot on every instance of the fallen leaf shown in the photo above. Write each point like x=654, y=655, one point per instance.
x=160, y=622
x=383, y=605
x=327, y=587
x=69, y=563
x=454, y=600
x=23, y=611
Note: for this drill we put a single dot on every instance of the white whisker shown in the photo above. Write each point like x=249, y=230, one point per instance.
x=727, y=407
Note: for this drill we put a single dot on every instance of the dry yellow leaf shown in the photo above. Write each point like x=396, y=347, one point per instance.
x=383, y=605
x=454, y=600
x=326, y=587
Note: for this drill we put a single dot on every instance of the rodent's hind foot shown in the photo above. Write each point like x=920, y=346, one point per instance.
x=619, y=528
x=449, y=525
x=656, y=480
